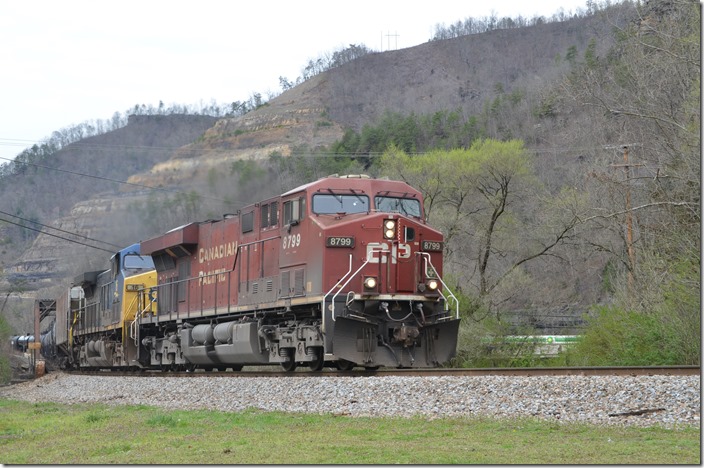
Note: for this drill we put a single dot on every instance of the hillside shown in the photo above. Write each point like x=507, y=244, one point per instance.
x=84, y=171
x=180, y=151
x=512, y=80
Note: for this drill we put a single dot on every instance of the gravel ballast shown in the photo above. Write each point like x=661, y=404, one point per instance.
x=666, y=401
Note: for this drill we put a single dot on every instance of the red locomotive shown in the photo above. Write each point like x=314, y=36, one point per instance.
x=342, y=271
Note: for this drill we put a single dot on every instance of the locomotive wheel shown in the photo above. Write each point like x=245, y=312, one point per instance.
x=344, y=365
x=318, y=363
x=289, y=365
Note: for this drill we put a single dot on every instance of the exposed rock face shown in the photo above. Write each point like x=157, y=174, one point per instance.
x=294, y=121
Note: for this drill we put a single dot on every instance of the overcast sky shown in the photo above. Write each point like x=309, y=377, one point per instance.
x=67, y=62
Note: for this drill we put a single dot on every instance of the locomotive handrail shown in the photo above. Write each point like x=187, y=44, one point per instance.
x=247, y=244
x=331, y=289
x=191, y=279
x=139, y=315
x=369, y=253
x=426, y=256
x=135, y=303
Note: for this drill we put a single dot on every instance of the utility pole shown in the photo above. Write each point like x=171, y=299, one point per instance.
x=629, y=220
x=36, y=345
x=388, y=40
x=629, y=216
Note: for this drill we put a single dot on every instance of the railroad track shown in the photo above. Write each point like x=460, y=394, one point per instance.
x=441, y=372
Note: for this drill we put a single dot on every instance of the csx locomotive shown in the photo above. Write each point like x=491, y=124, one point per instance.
x=341, y=272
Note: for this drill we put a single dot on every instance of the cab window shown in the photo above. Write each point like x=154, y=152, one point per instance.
x=138, y=262
x=294, y=211
x=324, y=203
x=406, y=206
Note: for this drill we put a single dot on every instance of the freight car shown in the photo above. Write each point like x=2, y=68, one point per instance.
x=341, y=272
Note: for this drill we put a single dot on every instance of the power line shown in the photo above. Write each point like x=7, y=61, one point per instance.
x=59, y=237
x=60, y=230
x=16, y=142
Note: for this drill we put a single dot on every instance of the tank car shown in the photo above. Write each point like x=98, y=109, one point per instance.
x=343, y=272
x=21, y=342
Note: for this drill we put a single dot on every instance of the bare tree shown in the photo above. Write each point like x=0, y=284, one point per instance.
x=644, y=95
x=496, y=216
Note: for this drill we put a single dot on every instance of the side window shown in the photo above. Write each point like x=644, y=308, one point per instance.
x=288, y=211
x=293, y=211
x=248, y=222
x=269, y=215
x=273, y=214
x=264, y=216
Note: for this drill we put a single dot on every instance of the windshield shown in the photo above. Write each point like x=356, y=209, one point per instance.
x=340, y=203
x=406, y=206
x=136, y=262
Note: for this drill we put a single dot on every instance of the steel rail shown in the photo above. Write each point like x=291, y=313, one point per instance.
x=442, y=372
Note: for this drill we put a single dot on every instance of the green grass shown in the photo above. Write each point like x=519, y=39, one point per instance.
x=49, y=433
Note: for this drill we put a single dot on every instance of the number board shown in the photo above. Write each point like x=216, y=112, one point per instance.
x=432, y=246
x=339, y=241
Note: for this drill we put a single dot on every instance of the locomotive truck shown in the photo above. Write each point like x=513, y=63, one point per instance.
x=340, y=272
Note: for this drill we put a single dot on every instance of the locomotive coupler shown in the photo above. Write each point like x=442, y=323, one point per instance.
x=406, y=335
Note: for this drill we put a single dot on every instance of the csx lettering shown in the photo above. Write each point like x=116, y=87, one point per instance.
x=375, y=249
x=292, y=241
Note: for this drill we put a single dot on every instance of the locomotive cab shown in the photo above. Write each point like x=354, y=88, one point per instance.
x=385, y=303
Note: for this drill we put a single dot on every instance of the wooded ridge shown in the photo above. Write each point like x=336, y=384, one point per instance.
x=561, y=160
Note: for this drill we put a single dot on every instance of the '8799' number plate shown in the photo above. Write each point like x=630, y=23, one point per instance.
x=339, y=241
x=432, y=246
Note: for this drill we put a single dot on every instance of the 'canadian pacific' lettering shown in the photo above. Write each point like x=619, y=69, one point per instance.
x=211, y=277
x=217, y=251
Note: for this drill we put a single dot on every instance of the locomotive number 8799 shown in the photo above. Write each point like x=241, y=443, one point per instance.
x=341, y=272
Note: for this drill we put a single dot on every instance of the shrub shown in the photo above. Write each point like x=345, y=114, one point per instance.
x=617, y=337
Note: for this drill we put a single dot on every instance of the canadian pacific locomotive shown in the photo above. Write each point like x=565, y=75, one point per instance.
x=341, y=272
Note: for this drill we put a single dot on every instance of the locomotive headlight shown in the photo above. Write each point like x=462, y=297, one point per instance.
x=432, y=284
x=389, y=229
x=370, y=283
